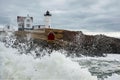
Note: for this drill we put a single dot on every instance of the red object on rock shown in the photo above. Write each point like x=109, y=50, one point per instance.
x=51, y=36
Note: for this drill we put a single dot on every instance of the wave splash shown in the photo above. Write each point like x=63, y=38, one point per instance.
x=50, y=67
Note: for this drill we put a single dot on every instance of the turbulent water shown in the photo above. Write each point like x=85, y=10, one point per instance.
x=53, y=67
x=105, y=68
x=57, y=66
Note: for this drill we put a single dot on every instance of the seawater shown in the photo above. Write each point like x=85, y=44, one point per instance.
x=50, y=67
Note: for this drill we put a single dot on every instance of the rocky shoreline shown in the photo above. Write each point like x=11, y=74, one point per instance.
x=73, y=43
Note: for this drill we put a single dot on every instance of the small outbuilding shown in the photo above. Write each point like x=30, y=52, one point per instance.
x=51, y=36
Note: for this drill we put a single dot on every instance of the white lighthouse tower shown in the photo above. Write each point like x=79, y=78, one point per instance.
x=47, y=19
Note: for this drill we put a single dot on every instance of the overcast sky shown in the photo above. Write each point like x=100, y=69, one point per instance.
x=87, y=15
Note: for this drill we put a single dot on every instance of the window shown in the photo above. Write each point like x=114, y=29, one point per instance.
x=28, y=20
x=8, y=27
x=28, y=25
x=19, y=25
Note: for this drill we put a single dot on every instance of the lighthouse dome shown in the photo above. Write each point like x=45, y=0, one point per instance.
x=47, y=13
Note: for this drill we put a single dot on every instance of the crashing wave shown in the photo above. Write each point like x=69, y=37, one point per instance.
x=51, y=67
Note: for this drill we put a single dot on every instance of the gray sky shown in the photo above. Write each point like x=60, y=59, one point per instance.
x=87, y=15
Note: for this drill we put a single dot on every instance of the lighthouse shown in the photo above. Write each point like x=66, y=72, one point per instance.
x=47, y=19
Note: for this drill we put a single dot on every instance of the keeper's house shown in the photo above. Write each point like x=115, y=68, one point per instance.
x=26, y=23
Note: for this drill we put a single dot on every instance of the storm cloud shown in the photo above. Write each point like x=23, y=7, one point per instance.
x=89, y=15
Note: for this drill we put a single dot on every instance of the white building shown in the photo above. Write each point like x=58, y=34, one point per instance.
x=38, y=26
x=8, y=28
x=28, y=23
x=25, y=23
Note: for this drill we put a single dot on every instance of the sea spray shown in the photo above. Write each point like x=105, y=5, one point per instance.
x=53, y=67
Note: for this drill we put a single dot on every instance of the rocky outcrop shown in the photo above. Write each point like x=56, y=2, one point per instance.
x=93, y=45
x=77, y=43
x=71, y=42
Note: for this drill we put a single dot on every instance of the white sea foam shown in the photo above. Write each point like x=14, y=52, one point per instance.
x=53, y=67
x=108, y=67
x=114, y=77
x=109, y=57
